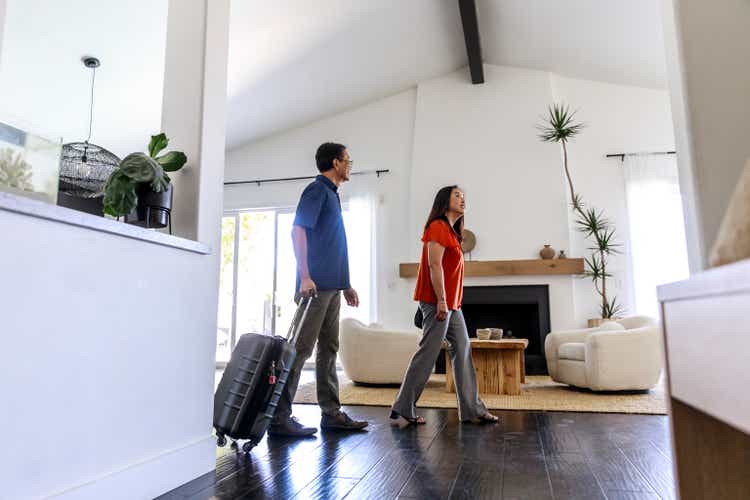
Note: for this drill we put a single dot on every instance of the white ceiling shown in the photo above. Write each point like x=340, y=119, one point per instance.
x=44, y=87
x=294, y=61
x=617, y=41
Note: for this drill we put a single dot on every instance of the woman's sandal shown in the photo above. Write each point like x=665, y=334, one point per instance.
x=489, y=418
x=409, y=421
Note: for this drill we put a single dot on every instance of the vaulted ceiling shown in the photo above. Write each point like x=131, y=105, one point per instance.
x=292, y=61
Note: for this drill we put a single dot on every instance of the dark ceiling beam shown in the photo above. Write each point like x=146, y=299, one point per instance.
x=470, y=21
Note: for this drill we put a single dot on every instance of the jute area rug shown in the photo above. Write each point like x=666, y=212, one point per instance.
x=538, y=393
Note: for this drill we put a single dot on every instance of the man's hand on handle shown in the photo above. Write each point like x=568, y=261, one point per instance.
x=351, y=297
x=308, y=288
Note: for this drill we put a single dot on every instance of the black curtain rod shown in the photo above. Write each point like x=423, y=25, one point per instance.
x=307, y=177
x=622, y=156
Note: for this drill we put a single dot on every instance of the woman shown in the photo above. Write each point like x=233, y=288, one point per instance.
x=439, y=291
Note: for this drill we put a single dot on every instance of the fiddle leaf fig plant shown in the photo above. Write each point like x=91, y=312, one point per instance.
x=120, y=196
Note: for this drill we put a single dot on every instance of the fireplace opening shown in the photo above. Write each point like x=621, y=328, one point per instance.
x=522, y=309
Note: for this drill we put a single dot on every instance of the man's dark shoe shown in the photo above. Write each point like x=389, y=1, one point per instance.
x=341, y=421
x=291, y=428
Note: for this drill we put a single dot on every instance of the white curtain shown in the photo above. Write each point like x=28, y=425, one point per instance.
x=657, y=230
x=360, y=225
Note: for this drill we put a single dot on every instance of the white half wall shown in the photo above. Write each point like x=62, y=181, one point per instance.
x=483, y=138
x=108, y=346
x=108, y=359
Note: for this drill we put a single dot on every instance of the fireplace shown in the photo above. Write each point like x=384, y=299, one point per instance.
x=522, y=309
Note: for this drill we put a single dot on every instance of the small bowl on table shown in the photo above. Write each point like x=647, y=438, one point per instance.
x=484, y=333
x=496, y=333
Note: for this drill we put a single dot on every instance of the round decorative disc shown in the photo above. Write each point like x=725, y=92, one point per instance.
x=470, y=241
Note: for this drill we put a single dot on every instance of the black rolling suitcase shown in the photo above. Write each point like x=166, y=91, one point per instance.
x=249, y=391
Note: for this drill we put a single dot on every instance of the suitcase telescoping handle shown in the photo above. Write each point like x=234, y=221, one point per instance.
x=297, y=321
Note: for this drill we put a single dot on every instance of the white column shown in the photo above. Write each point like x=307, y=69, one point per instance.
x=193, y=117
x=193, y=113
x=707, y=48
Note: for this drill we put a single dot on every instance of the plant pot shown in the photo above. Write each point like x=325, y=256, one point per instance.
x=547, y=252
x=153, y=209
x=596, y=322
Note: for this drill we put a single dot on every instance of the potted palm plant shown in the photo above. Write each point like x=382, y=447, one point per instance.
x=139, y=189
x=559, y=127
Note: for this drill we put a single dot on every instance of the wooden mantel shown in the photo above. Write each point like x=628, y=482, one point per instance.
x=475, y=268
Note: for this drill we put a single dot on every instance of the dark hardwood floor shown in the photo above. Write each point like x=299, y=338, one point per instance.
x=529, y=455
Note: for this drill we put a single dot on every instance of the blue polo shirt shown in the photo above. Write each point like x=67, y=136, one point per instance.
x=319, y=212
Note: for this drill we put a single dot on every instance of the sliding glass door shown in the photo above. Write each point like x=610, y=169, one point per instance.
x=258, y=271
x=247, y=278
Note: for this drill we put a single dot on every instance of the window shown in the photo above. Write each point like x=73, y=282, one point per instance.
x=258, y=271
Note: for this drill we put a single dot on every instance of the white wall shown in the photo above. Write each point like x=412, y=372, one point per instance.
x=108, y=359
x=2, y=30
x=709, y=78
x=483, y=138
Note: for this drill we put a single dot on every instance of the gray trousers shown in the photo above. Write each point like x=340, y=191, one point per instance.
x=453, y=328
x=322, y=326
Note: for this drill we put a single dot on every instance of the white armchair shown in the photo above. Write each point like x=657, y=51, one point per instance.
x=616, y=356
x=374, y=355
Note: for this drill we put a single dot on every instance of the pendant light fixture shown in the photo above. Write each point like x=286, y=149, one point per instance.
x=85, y=167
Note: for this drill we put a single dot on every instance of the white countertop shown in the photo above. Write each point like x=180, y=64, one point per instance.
x=731, y=278
x=48, y=211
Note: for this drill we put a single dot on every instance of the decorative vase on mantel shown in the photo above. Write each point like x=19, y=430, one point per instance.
x=547, y=252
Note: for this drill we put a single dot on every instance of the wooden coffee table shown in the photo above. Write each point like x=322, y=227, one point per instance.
x=499, y=365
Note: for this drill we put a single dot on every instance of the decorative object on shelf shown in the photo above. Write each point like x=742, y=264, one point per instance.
x=14, y=171
x=140, y=189
x=496, y=333
x=85, y=167
x=733, y=241
x=469, y=242
x=509, y=335
x=29, y=164
x=547, y=252
x=562, y=255
x=559, y=127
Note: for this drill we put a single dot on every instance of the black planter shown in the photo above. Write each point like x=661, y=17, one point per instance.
x=153, y=209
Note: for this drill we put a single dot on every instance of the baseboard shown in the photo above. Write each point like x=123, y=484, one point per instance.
x=150, y=478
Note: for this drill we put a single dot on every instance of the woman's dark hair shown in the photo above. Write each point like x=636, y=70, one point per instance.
x=440, y=209
x=327, y=152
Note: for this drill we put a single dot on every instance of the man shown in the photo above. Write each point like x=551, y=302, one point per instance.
x=322, y=273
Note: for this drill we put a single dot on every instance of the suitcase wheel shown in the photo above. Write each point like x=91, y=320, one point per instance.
x=221, y=440
x=247, y=446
